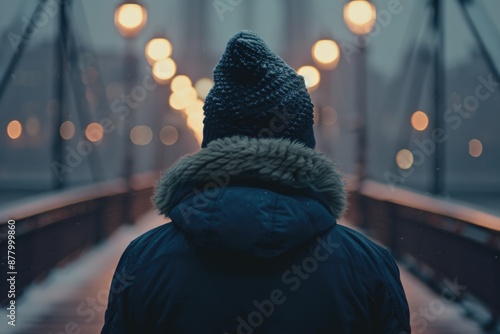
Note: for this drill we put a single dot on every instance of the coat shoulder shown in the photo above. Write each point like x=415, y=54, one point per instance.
x=158, y=242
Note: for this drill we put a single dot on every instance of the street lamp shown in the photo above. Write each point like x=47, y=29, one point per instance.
x=326, y=54
x=311, y=75
x=130, y=18
x=163, y=70
x=158, y=49
x=360, y=16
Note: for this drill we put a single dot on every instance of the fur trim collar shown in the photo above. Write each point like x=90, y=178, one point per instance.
x=272, y=160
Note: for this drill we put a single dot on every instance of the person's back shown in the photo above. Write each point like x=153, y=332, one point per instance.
x=253, y=246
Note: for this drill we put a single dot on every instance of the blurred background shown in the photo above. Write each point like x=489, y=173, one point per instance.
x=390, y=72
x=97, y=98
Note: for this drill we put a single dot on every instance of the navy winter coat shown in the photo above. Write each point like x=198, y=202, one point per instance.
x=254, y=247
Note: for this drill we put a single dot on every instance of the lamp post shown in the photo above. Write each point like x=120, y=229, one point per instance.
x=130, y=18
x=360, y=16
x=326, y=55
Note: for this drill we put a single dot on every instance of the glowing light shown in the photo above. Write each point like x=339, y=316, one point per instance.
x=419, y=120
x=169, y=135
x=326, y=53
x=14, y=129
x=183, y=99
x=311, y=76
x=194, y=120
x=141, y=135
x=130, y=18
x=94, y=132
x=328, y=116
x=180, y=82
x=32, y=126
x=203, y=86
x=158, y=49
x=67, y=130
x=360, y=16
x=404, y=159
x=164, y=70
x=475, y=148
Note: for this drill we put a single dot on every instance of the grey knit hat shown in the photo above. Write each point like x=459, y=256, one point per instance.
x=256, y=94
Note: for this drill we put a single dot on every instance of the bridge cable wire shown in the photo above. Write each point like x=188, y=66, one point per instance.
x=78, y=90
x=414, y=85
x=28, y=31
x=480, y=41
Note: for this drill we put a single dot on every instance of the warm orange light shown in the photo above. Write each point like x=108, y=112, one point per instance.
x=141, y=135
x=130, y=18
x=360, y=16
x=164, y=70
x=14, y=129
x=195, y=116
x=311, y=76
x=404, y=159
x=419, y=120
x=169, y=135
x=475, y=148
x=182, y=99
x=158, y=49
x=326, y=53
x=203, y=86
x=94, y=132
x=180, y=82
x=67, y=130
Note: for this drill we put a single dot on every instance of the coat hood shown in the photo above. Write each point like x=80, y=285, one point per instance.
x=256, y=196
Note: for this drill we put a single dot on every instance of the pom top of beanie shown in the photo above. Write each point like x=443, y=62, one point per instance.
x=256, y=94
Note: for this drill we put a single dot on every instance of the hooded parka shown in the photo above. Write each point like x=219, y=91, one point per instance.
x=254, y=246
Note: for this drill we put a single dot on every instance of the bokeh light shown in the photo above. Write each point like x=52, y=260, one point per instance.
x=475, y=148
x=158, y=49
x=130, y=18
x=419, y=120
x=311, y=76
x=195, y=116
x=360, y=16
x=180, y=82
x=141, y=135
x=182, y=99
x=67, y=130
x=326, y=53
x=169, y=135
x=404, y=159
x=203, y=86
x=94, y=132
x=164, y=70
x=14, y=129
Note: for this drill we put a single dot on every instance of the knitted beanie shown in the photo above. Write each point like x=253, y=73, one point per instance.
x=256, y=94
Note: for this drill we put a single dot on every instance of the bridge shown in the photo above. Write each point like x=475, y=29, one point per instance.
x=97, y=99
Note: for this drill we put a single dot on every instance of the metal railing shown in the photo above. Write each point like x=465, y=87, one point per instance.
x=56, y=228
x=450, y=240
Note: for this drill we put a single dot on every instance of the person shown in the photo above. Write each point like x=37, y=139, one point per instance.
x=253, y=245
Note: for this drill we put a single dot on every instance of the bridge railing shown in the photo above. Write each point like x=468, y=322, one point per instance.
x=448, y=240
x=53, y=229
